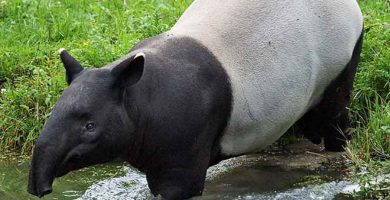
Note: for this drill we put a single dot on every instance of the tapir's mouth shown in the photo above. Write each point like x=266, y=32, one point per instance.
x=69, y=164
x=62, y=172
x=48, y=164
x=42, y=189
x=44, y=171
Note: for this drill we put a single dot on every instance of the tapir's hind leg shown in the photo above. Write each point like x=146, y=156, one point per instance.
x=329, y=119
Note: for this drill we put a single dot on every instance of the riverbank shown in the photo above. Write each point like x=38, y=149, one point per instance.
x=97, y=33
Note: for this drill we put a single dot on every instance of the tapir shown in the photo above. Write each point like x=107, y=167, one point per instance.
x=229, y=78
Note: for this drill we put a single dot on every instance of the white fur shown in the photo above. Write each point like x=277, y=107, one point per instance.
x=280, y=56
x=61, y=50
x=140, y=54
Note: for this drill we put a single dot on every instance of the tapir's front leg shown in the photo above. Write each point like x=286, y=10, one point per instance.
x=177, y=183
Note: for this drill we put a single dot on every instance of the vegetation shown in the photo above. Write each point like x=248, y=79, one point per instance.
x=98, y=32
x=369, y=150
x=95, y=32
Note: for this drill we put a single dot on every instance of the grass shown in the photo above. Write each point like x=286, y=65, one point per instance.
x=369, y=151
x=95, y=32
x=98, y=32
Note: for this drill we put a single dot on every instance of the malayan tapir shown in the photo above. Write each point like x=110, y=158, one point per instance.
x=228, y=79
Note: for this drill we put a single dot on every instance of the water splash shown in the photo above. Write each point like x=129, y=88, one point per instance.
x=131, y=186
x=325, y=191
x=134, y=186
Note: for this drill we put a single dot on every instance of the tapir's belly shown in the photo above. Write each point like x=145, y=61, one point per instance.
x=279, y=55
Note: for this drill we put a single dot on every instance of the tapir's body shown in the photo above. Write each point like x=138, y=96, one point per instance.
x=229, y=78
x=279, y=55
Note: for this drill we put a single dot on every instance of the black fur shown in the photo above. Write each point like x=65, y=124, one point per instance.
x=182, y=105
x=329, y=119
x=72, y=67
x=163, y=112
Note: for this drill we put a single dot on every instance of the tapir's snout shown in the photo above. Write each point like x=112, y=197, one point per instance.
x=43, y=169
x=39, y=192
x=39, y=184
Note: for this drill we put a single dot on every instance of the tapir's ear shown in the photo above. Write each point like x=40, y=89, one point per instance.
x=72, y=67
x=129, y=70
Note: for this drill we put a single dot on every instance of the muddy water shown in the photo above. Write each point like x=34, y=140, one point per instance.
x=275, y=175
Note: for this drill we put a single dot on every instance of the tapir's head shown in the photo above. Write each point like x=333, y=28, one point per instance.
x=89, y=124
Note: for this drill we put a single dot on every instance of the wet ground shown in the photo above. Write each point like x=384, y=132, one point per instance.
x=297, y=171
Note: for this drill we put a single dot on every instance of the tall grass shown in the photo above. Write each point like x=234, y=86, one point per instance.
x=370, y=108
x=369, y=149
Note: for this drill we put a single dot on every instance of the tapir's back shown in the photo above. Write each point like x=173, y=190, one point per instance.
x=279, y=54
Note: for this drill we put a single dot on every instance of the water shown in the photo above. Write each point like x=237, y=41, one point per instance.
x=14, y=176
x=239, y=178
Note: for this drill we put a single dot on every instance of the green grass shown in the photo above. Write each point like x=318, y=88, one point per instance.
x=370, y=108
x=95, y=32
x=98, y=32
x=369, y=151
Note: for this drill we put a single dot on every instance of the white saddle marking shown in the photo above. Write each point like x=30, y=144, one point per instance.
x=279, y=54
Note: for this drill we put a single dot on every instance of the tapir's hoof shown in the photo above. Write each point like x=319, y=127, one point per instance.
x=336, y=145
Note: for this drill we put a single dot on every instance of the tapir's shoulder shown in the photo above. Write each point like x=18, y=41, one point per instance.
x=191, y=91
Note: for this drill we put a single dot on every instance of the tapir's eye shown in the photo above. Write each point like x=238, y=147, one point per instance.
x=90, y=126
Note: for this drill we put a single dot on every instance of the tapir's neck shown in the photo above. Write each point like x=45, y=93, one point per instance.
x=128, y=114
x=184, y=96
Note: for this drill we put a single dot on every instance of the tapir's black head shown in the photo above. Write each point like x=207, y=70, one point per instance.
x=89, y=124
